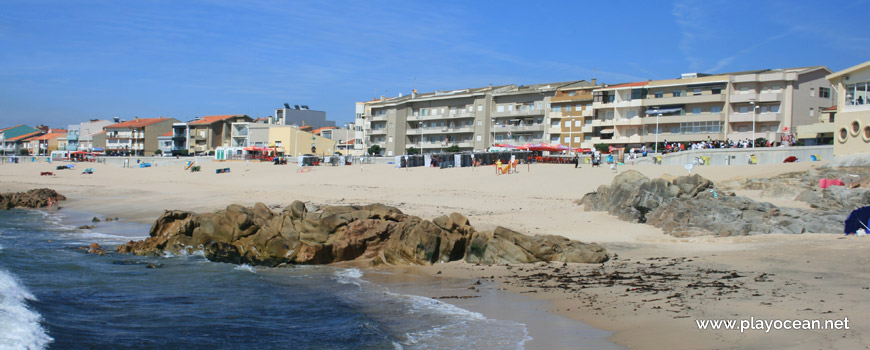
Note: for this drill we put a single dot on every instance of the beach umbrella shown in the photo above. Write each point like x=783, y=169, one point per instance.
x=858, y=219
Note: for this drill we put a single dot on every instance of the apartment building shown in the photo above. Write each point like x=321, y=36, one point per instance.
x=570, y=108
x=767, y=104
x=80, y=136
x=470, y=119
x=431, y=121
x=691, y=108
x=852, y=124
x=209, y=132
x=179, y=138
x=136, y=137
x=300, y=115
x=620, y=104
x=776, y=101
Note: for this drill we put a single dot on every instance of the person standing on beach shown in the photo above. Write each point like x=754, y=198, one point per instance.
x=498, y=167
x=576, y=161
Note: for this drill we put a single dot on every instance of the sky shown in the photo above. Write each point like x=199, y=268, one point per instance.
x=65, y=62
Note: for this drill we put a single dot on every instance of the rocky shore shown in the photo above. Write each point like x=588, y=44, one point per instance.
x=35, y=198
x=373, y=234
x=693, y=206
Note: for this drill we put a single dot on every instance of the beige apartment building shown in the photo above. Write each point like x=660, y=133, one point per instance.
x=852, y=123
x=766, y=104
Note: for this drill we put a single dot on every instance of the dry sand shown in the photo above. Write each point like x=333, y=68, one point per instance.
x=810, y=276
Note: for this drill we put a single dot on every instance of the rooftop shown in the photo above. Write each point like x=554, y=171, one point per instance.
x=136, y=123
x=215, y=118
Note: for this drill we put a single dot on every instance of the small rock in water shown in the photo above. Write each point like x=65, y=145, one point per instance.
x=153, y=266
x=86, y=227
x=108, y=220
x=95, y=219
x=95, y=248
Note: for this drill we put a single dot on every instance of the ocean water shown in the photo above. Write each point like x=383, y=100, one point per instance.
x=54, y=295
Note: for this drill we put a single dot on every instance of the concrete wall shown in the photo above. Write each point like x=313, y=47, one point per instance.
x=740, y=156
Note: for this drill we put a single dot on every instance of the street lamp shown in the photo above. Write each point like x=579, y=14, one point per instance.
x=657, y=133
x=754, y=109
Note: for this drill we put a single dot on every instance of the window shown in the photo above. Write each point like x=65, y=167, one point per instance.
x=576, y=139
x=743, y=109
x=857, y=94
x=715, y=109
x=677, y=93
x=567, y=123
x=391, y=139
x=774, y=109
x=578, y=123
x=540, y=105
x=510, y=108
x=478, y=138
x=812, y=92
x=696, y=110
x=500, y=108
x=659, y=94
x=716, y=90
x=480, y=108
x=572, y=93
x=479, y=122
x=567, y=139
x=696, y=92
x=812, y=112
x=554, y=123
x=824, y=92
x=557, y=108
x=638, y=94
x=578, y=108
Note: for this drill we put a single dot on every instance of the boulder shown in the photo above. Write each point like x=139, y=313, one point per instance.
x=692, y=206
x=376, y=234
x=35, y=198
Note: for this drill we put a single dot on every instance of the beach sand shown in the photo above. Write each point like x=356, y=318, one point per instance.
x=809, y=276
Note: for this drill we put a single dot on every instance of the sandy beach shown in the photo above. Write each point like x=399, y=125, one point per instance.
x=786, y=277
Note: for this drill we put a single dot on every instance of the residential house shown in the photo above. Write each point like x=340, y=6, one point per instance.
x=613, y=105
x=136, y=137
x=44, y=143
x=11, y=133
x=852, y=124
x=210, y=132
x=286, y=139
x=21, y=144
x=180, y=136
x=164, y=143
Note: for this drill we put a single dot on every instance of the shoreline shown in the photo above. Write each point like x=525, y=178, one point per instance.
x=805, y=268
x=544, y=329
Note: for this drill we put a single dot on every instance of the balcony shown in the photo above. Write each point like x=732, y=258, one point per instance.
x=705, y=98
x=740, y=117
x=554, y=130
x=770, y=97
x=587, y=128
x=440, y=130
x=743, y=98
x=628, y=121
x=379, y=118
x=515, y=128
x=769, y=117
x=626, y=103
x=378, y=132
x=524, y=111
x=706, y=117
x=628, y=139
x=588, y=113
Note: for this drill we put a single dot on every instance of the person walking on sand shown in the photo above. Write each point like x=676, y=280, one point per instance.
x=498, y=167
x=576, y=161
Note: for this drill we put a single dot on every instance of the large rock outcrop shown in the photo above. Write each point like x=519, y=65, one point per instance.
x=692, y=206
x=35, y=198
x=374, y=233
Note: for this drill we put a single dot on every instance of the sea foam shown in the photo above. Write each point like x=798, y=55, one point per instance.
x=19, y=325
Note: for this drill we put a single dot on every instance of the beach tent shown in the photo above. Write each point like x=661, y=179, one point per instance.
x=858, y=219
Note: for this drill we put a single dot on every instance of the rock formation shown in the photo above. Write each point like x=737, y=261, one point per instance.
x=35, y=198
x=692, y=206
x=374, y=233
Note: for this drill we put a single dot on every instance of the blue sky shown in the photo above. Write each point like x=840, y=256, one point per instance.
x=64, y=62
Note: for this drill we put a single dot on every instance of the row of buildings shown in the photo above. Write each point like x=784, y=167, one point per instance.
x=767, y=103
x=292, y=131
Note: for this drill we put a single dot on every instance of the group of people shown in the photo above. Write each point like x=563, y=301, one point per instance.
x=711, y=144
